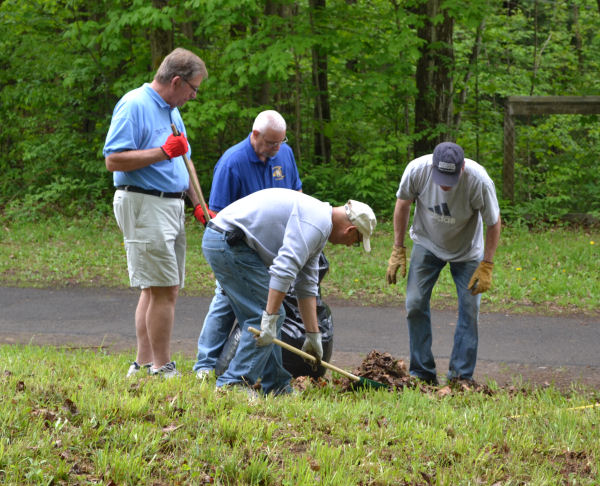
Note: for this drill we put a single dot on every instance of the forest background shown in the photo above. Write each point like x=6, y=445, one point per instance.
x=365, y=86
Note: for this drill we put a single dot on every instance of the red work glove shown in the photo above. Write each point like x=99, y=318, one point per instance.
x=199, y=214
x=175, y=146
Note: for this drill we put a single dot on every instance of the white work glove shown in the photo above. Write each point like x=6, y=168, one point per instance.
x=268, y=329
x=313, y=345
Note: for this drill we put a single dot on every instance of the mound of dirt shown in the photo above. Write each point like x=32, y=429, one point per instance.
x=383, y=368
x=393, y=373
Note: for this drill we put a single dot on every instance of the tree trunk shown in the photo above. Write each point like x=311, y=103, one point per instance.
x=434, y=78
x=322, y=112
x=577, y=40
x=161, y=41
x=462, y=96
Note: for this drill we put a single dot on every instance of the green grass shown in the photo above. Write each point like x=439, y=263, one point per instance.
x=69, y=416
x=551, y=271
x=73, y=418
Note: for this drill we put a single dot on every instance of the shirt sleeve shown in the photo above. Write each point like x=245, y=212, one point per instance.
x=297, y=260
x=490, y=210
x=122, y=134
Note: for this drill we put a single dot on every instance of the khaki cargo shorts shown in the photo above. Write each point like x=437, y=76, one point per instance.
x=154, y=238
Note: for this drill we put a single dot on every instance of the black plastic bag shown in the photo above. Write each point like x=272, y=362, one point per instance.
x=292, y=332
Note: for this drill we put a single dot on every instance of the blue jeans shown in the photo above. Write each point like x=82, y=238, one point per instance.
x=245, y=280
x=423, y=273
x=215, y=331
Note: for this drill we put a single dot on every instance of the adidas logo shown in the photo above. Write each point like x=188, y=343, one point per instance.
x=440, y=209
x=442, y=214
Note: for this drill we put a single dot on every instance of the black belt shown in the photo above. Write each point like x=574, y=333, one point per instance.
x=213, y=226
x=153, y=192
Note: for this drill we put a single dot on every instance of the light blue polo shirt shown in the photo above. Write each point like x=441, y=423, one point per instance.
x=239, y=172
x=142, y=120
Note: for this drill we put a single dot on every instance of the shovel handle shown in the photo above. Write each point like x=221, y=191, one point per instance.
x=307, y=356
x=193, y=178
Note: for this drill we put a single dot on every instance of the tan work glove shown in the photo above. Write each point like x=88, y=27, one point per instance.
x=481, y=281
x=396, y=261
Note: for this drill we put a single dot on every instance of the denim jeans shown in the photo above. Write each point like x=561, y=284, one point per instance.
x=423, y=273
x=245, y=280
x=215, y=331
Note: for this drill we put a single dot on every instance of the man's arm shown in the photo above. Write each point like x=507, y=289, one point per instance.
x=274, y=301
x=307, y=307
x=398, y=257
x=308, y=312
x=481, y=280
x=129, y=160
x=492, y=238
x=401, y=218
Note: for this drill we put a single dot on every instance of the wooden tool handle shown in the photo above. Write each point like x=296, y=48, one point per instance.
x=193, y=178
x=307, y=356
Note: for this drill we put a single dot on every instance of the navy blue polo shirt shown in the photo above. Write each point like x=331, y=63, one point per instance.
x=239, y=172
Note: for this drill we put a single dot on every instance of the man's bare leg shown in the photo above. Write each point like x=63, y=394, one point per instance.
x=144, y=350
x=160, y=316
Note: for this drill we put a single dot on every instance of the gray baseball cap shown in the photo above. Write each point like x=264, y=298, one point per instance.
x=448, y=161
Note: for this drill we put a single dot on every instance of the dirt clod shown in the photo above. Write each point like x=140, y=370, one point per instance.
x=393, y=372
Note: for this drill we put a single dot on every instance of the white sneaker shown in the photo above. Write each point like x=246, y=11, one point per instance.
x=136, y=368
x=168, y=370
x=203, y=374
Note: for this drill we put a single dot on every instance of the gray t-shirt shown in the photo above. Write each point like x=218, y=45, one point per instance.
x=288, y=230
x=449, y=223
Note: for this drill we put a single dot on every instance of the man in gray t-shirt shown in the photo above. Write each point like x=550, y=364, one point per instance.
x=453, y=197
x=259, y=246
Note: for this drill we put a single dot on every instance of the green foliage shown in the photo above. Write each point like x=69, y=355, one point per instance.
x=65, y=65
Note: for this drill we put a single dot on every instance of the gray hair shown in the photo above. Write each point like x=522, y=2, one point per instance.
x=269, y=119
x=180, y=62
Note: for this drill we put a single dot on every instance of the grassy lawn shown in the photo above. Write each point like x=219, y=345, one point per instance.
x=69, y=416
x=73, y=418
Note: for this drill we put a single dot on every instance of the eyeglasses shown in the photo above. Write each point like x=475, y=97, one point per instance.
x=274, y=144
x=195, y=90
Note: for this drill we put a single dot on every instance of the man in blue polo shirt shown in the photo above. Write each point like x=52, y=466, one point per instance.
x=263, y=160
x=151, y=181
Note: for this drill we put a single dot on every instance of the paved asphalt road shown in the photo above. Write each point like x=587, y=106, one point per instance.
x=512, y=348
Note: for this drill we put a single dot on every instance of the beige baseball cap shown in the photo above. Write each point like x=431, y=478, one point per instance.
x=362, y=216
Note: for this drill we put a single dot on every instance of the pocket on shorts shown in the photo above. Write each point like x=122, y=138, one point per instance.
x=127, y=207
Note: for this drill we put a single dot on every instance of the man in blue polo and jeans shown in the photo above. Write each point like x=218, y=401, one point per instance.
x=257, y=248
x=261, y=161
x=453, y=198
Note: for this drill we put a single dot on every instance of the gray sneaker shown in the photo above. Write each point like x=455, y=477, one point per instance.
x=168, y=370
x=135, y=368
